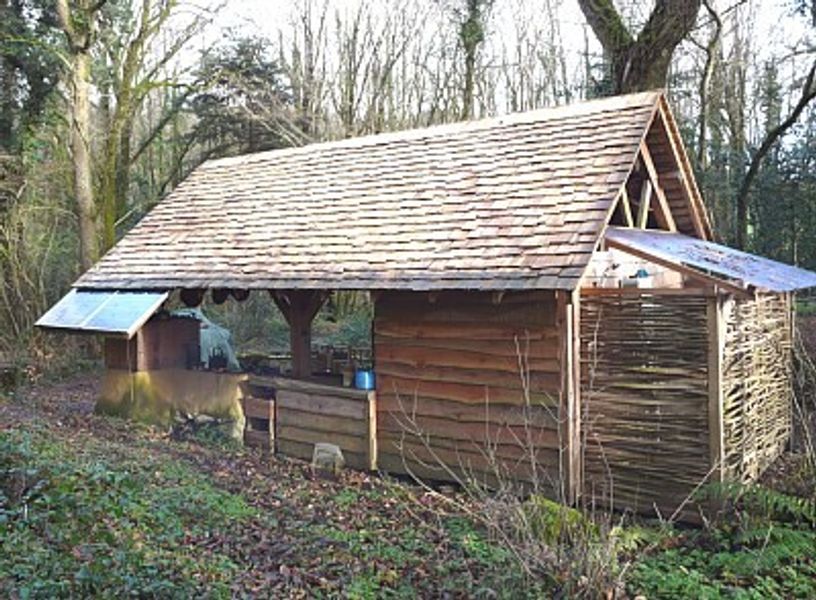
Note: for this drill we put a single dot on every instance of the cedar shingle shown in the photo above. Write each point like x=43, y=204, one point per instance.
x=515, y=202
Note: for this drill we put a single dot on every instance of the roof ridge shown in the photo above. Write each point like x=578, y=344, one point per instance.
x=586, y=107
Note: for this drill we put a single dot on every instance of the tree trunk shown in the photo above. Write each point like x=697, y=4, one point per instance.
x=81, y=156
x=78, y=29
x=471, y=36
x=640, y=63
x=114, y=181
x=712, y=49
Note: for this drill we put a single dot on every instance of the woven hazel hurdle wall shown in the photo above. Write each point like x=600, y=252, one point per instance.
x=757, y=392
x=645, y=399
x=679, y=390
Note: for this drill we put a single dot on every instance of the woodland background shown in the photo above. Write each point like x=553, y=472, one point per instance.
x=106, y=105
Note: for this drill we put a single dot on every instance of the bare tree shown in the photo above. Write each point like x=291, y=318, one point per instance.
x=640, y=61
x=136, y=71
x=305, y=66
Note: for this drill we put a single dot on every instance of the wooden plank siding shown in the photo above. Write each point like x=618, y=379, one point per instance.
x=472, y=380
x=645, y=398
x=308, y=413
x=163, y=343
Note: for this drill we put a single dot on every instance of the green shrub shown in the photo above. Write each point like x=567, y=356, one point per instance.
x=762, y=545
x=554, y=523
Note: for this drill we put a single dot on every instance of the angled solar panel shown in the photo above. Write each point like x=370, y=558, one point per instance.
x=119, y=313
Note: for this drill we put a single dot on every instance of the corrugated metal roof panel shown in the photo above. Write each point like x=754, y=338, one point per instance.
x=713, y=259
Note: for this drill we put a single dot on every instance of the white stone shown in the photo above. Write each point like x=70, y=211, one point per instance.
x=328, y=458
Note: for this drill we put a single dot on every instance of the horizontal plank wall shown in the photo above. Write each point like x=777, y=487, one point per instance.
x=470, y=380
x=308, y=413
x=645, y=399
x=757, y=385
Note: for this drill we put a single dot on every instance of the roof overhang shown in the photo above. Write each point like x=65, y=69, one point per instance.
x=712, y=263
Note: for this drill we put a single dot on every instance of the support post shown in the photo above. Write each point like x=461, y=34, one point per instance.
x=663, y=210
x=627, y=208
x=372, y=430
x=790, y=314
x=299, y=308
x=716, y=347
x=577, y=451
x=568, y=315
x=645, y=201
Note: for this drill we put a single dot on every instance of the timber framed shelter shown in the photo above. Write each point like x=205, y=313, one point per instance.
x=549, y=271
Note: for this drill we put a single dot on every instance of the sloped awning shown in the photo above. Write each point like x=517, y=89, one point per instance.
x=116, y=313
x=707, y=260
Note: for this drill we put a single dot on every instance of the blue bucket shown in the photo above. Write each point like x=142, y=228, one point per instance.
x=364, y=380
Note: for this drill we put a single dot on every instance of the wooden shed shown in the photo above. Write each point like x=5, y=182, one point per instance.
x=547, y=299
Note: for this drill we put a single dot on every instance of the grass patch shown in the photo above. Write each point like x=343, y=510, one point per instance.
x=76, y=523
x=762, y=546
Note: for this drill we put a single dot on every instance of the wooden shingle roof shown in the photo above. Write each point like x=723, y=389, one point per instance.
x=516, y=202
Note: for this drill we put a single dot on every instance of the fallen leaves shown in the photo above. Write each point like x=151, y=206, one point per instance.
x=279, y=530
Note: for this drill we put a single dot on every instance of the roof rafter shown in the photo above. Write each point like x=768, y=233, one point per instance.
x=699, y=216
x=663, y=212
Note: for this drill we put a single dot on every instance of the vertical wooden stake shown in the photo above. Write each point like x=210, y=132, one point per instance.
x=567, y=306
x=716, y=347
x=372, y=430
x=790, y=311
x=576, y=451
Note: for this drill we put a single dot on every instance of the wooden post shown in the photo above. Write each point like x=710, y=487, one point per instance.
x=645, y=201
x=372, y=430
x=567, y=306
x=299, y=308
x=790, y=311
x=577, y=451
x=716, y=347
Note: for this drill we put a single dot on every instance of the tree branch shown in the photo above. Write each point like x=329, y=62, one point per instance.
x=640, y=63
x=808, y=94
x=607, y=24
